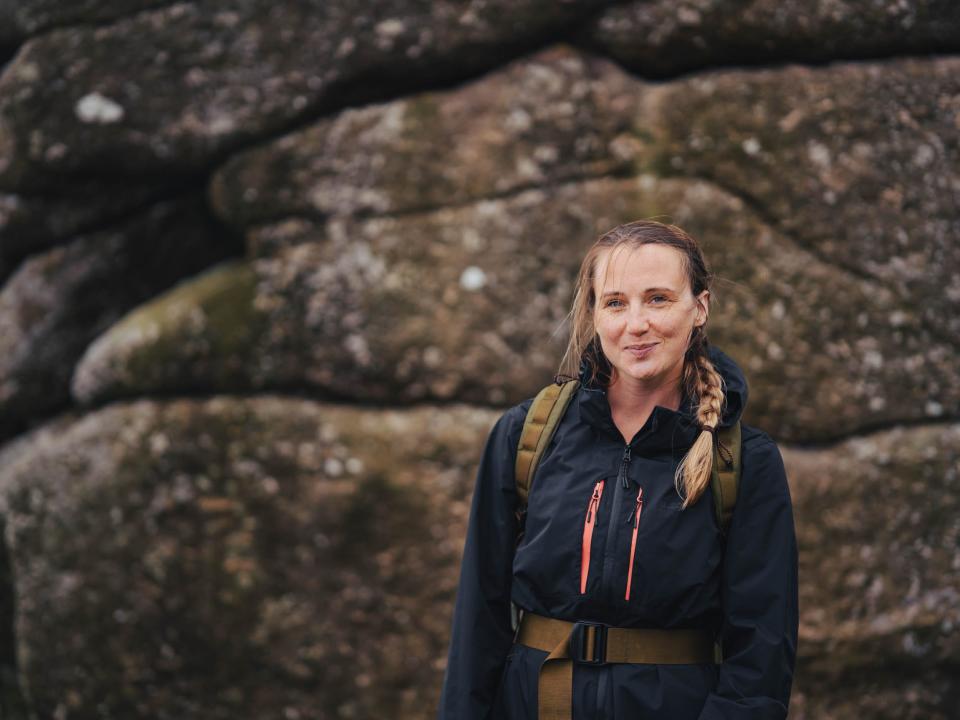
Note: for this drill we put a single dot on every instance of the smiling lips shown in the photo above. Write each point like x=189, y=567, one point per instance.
x=640, y=350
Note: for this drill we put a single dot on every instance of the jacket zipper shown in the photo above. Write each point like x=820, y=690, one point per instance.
x=589, y=524
x=633, y=542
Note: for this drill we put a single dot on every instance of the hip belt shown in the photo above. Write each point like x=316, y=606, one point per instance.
x=588, y=643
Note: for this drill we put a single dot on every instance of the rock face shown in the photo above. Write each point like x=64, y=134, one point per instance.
x=413, y=186
x=275, y=539
x=267, y=557
x=200, y=80
x=409, y=306
x=58, y=301
x=878, y=522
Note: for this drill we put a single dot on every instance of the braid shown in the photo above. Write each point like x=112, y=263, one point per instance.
x=705, y=384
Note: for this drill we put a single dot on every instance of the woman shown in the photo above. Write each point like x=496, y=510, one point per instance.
x=621, y=529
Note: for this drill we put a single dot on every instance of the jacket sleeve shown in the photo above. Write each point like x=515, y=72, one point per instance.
x=759, y=595
x=481, y=636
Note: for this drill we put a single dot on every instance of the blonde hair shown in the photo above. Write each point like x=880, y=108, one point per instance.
x=701, y=381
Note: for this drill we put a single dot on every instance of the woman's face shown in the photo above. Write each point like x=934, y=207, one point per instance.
x=645, y=313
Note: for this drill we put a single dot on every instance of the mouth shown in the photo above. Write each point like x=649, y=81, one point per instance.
x=640, y=350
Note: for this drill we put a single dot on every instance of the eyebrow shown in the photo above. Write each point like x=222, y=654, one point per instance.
x=648, y=290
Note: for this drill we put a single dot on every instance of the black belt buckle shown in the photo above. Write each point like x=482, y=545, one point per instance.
x=588, y=643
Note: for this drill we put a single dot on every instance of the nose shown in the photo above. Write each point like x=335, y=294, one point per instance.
x=638, y=321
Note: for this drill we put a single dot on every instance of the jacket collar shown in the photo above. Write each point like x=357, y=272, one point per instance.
x=671, y=427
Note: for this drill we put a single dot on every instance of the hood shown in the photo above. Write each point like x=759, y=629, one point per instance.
x=595, y=409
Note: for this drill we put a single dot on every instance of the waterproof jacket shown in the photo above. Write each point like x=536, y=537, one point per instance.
x=686, y=573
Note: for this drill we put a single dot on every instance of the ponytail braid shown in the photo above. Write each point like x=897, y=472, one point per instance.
x=705, y=385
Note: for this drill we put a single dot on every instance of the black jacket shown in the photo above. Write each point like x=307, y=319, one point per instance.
x=685, y=574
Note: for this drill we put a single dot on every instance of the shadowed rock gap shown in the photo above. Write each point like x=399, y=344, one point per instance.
x=105, y=223
x=748, y=63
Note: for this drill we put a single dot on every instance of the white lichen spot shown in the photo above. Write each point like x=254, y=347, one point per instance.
x=472, y=240
x=333, y=467
x=433, y=357
x=923, y=155
x=159, y=443
x=873, y=360
x=345, y=47
x=933, y=408
x=751, y=146
x=877, y=403
x=354, y=466
x=774, y=351
x=473, y=278
x=357, y=346
x=387, y=32
x=898, y=318
x=97, y=108
x=55, y=152
x=777, y=310
x=819, y=154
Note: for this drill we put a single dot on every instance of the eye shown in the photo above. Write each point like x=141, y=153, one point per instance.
x=613, y=302
x=659, y=299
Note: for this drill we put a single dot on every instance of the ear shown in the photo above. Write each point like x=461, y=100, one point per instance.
x=703, y=308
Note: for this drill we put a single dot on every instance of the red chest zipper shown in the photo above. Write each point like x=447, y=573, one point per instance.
x=633, y=542
x=589, y=522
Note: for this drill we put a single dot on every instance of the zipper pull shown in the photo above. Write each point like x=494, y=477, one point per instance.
x=634, y=517
x=594, y=502
x=624, y=464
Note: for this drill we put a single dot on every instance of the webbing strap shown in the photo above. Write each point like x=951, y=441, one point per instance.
x=538, y=428
x=726, y=473
x=565, y=640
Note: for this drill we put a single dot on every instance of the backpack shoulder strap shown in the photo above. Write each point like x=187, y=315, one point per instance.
x=725, y=477
x=539, y=426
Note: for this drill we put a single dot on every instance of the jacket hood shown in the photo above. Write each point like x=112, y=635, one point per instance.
x=595, y=409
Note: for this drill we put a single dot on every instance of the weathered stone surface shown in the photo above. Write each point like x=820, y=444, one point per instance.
x=205, y=332
x=272, y=553
x=58, y=301
x=469, y=303
x=199, y=80
x=878, y=527
x=31, y=224
x=666, y=37
x=32, y=16
x=547, y=119
x=861, y=163
x=268, y=558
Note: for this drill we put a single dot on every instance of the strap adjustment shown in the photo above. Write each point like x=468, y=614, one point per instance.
x=588, y=643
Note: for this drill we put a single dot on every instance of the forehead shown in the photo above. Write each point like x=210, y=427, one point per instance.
x=624, y=268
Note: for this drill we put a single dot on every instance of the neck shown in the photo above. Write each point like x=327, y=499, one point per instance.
x=632, y=403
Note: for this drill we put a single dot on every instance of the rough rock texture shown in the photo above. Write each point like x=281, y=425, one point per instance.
x=267, y=558
x=197, y=81
x=415, y=308
x=274, y=539
x=412, y=231
x=32, y=224
x=878, y=527
x=662, y=38
x=57, y=302
x=30, y=17
x=547, y=119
